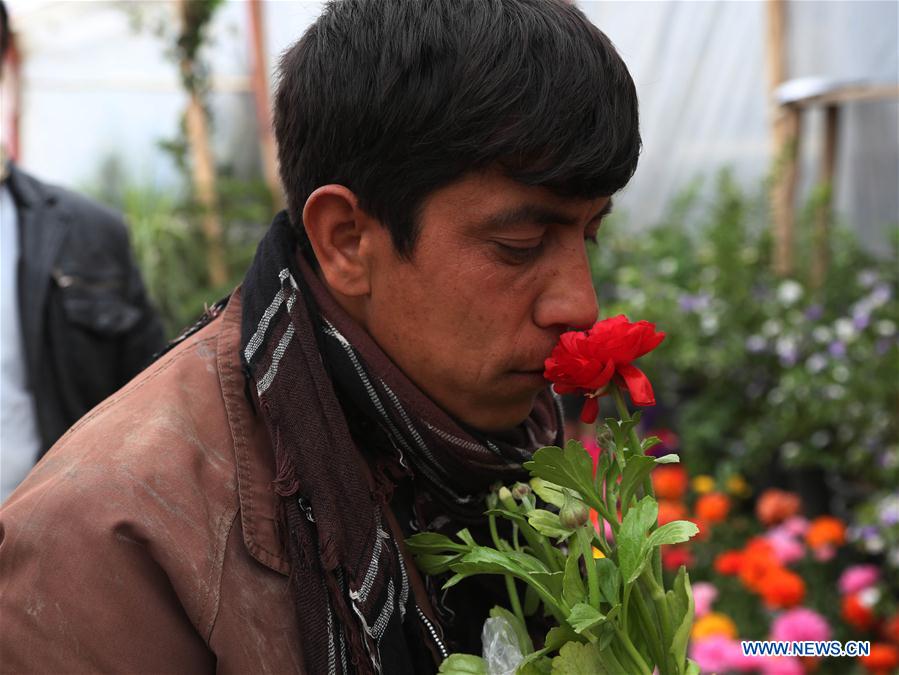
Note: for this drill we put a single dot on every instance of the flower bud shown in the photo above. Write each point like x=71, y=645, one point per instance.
x=506, y=499
x=573, y=513
x=520, y=490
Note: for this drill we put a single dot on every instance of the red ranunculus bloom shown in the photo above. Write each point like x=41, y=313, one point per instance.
x=586, y=361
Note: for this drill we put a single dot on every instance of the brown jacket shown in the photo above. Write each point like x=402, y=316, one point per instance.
x=145, y=540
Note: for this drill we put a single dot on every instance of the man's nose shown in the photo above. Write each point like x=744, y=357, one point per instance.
x=569, y=299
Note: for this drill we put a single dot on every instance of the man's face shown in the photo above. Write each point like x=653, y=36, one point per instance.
x=499, y=271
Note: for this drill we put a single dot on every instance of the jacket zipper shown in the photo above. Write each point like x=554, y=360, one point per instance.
x=433, y=632
x=64, y=280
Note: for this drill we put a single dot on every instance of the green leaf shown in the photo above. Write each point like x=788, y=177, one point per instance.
x=548, y=524
x=540, y=665
x=632, y=554
x=465, y=536
x=431, y=563
x=675, y=532
x=692, y=668
x=683, y=608
x=431, y=542
x=571, y=467
x=463, y=664
x=485, y=560
x=584, y=617
x=649, y=443
x=585, y=659
x=668, y=459
x=521, y=632
x=508, y=515
x=573, y=590
x=537, y=662
x=635, y=470
x=609, y=580
x=548, y=492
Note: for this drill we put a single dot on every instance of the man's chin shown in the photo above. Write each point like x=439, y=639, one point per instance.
x=494, y=419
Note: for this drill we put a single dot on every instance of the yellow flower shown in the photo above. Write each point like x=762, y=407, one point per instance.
x=703, y=484
x=737, y=486
x=597, y=553
x=714, y=623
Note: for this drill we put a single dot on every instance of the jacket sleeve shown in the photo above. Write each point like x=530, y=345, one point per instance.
x=83, y=592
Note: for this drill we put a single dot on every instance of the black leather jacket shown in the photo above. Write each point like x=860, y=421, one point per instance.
x=87, y=325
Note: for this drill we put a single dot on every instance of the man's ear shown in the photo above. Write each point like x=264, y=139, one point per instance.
x=339, y=232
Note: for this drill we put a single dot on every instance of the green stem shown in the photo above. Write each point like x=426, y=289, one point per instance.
x=632, y=651
x=657, y=594
x=652, y=630
x=626, y=417
x=586, y=541
x=510, y=582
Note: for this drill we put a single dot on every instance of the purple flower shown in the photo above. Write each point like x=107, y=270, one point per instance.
x=837, y=349
x=882, y=346
x=861, y=320
x=814, y=312
x=694, y=303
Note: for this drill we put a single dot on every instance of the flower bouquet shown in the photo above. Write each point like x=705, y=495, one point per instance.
x=584, y=541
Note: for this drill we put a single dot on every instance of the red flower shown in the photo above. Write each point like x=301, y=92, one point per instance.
x=782, y=589
x=883, y=658
x=586, y=361
x=675, y=555
x=670, y=481
x=856, y=613
x=729, y=563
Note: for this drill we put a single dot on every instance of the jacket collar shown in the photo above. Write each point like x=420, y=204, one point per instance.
x=254, y=457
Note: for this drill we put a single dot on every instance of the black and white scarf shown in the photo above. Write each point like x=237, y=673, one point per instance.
x=309, y=364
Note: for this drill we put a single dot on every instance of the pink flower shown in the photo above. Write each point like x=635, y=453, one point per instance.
x=715, y=654
x=800, y=624
x=781, y=665
x=787, y=549
x=857, y=578
x=824, y=553
x=704, y=595
x=796, y=526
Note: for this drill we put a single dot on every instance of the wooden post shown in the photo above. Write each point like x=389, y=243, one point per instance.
x=261, y=99
x=821, y=253
x=786, y=128
x=203, y=170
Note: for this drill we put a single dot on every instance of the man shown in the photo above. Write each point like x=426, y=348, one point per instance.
x=242, y=505
x=76, y=323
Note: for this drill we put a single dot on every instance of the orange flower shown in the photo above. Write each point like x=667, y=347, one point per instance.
x=713, y=507
x=857, y=614
x=782, y=589
x=825, y=531
x=775, y=506
x=670, y=510
x=759, y=560
x=883, y=658
x=670, y=481
x=714, y=623
x=729, y=563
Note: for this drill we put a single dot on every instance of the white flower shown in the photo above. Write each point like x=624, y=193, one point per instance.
x=771, y=328
x=789, y=292
x=668, y=266
x=786, y=346
x=870, y=596
x=885, y=328
x=776, y=396
x=834, y=391
x=822, y=334
x=873, y=545
x=709, y=324
x=816, y=363
x=820, y=438
x=755, y=343
x=840, y=373
x=790, y=450
x=893, y=557
x=867, y=278
x=844, y=329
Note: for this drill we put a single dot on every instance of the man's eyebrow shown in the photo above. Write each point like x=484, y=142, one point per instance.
x=536, y=213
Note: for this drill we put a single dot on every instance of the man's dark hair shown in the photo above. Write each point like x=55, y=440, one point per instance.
x=397, y=98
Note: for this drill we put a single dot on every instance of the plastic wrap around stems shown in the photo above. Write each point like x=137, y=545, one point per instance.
x=501, y=650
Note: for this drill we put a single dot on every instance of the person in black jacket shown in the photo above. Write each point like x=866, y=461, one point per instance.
x=76, y=321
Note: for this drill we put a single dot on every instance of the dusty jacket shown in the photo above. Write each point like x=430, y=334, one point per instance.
x=146, y=540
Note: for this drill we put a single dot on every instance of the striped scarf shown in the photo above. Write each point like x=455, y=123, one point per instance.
x=346, y=425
